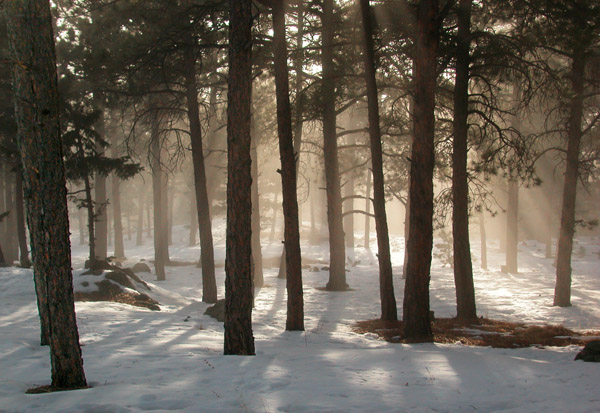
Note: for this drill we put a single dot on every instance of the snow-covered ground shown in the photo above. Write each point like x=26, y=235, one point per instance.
x=141, y=360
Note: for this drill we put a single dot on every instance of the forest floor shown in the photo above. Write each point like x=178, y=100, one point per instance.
x=140, y=360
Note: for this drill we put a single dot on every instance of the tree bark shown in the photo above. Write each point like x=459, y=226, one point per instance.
x=293, y=265
x=512, y=226
x=417, y=319
x=368, y=210
x=139, y=237
x=36, y=107
x=337, y=253
x=562, y=290
x=239, y=339
x=386, y=285
x=463, y=267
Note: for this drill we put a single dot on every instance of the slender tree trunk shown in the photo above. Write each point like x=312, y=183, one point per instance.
x=417, y=319
x=368, y=210
x=512, y=226
x=207, y=255
x=157, y=189
x=257, y=261
x=11, y=250
x=337, y=253
x=293, y=265
x=193, y=223
x=101, y=205
x=483, y=240
x=463, y=267
x=164, y=210
x=562, y=290
x=116, y=207
x=139, y=238
x=31, y=42
x=386, y=285
x=81, y=226
x=91, y=219
x=238, y=263
x=170, y=204
x=21, y=230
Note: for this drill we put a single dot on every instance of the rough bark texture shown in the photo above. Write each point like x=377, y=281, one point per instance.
x=463, y=267
x=417, y=319
x=238, y=261
x=293, y=265
x=386, y=285
x=337, y=252
x=36, y=106
x=207, y=255
x=562, y=290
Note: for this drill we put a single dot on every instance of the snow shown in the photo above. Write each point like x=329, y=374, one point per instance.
x=140, y=360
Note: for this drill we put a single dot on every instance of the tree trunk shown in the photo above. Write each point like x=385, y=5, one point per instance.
x=139, y=236
x=89, y=204
x=193, y=223
x=100, y=200
x=483, y=240
x=337, y=253
x=36, y=108
x=170, y=191
x=293, y=265
x=368, y=210
x=11, y=247
x=21, y=230
x=386, y=285
x=81, y=226
x=417, y=319
x=562, y=290
x=239, y=339
x=207, y=255
x=160, y=239
x=463, y=267
x=116, y=207
x=257, y=261
x=512, y=226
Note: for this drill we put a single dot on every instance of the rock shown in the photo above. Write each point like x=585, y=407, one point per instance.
x=119, y=285
x=591, y=352
x=217, y=311
x=141, y=267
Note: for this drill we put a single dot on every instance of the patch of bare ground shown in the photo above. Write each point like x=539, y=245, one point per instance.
x=483, y=332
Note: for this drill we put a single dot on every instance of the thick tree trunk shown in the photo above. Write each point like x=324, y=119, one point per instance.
x=463, y=267
x=337, y=253
x=293, y=265
x=238, y=263
x=386, y=285
x=257, y=261
x=417, y=319
x=562, y=290
x=21, y=230
x=36, y=106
